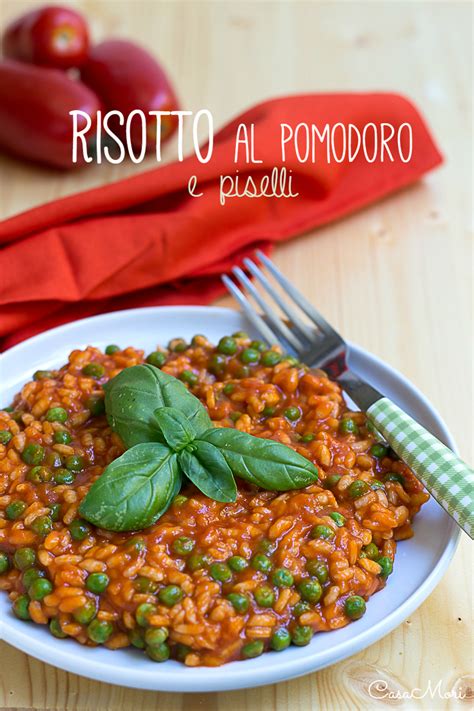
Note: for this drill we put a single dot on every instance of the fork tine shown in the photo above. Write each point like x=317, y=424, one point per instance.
x=278, y=325
x=252, y=315
x=299, y=326
x=298, y=297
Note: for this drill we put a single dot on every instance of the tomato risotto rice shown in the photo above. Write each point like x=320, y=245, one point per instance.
x=209, y=582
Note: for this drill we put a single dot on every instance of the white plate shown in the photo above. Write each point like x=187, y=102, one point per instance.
x=419, y=565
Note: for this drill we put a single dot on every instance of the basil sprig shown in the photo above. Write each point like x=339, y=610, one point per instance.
x=169, y=436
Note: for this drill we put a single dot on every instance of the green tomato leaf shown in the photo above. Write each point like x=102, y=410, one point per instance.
x=208, y=470
x=175, y=427
x=263, y=462
x=132, y=397
x=134, y=490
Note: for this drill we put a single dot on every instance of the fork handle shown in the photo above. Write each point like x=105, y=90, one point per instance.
x=446, y=476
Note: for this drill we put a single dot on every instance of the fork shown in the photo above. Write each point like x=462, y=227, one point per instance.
x=445, y=475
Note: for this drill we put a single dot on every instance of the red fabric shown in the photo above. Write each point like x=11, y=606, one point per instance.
x=146, y=241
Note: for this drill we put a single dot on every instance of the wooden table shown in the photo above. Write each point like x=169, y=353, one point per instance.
x=399, y=281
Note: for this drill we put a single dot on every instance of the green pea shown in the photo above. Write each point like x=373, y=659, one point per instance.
x=234, y=416
x=250, y=355
x=110, y=350
x=331, y=481
x=309, y=438
x=96, y=405
x=280, y=639
x=33, y=454
x=325, y=533
x=159, y=652
x=243, y=372
x=94, y=370
x=38, y=474
x=39, y=588
x=302, y=635
x=378, y=450
x=261, y=562
x=227, y=345
x=310, y=590
x=266, y=546
x=338, y=518
x=270, y=358
x=242, y=335
x=318, y=569
x=15, y=509
x=156, y=635
x=55, y=512
x=258, y=346
x=97, y=582
x=239, y=602
x=217, y=364
x=24, y=558
x=42, y=526
x=5, y=436
x=291, y=360
x=30, y=575
x=53, y=460
x=183, y=545
x=170, y=595
x=358, y=488
x=75, y=463
x=177, y=345
x=63, y=476
x=85, y=614
x=221, y=572
x=144, y=585
x=181, y=651
x=57, y=414
x=282, y=578
x=395, y=476
x=354, y=607
x=187, y=376
x=264, y=596
x=4, y=563
x=228, y=388
x=386, y=564
x=179, y=500
x=79, y=529
x=348, y=426
x=20, y=607
x=300, y=608
x=371, y=551
x=252, y=649
x=292, y=413
x=99, y=631
x=376, y=484
x=55, y=629
x=237, y=563
x=198, y=561
x=198, y=340
x=136, y=543
x=136, y=638
x=268, y=411
x=157, y=358
x=143, y=612
x=43, y=375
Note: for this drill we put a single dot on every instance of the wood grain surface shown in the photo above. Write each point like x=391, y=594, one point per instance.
x=395, y=278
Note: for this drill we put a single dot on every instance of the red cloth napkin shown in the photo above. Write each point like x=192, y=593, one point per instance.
x=145, y=241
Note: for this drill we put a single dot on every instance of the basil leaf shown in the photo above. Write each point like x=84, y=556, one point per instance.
x=176, y=429
x=263, y=462
x=134, y=490
x=132, y=397
x=208, y=470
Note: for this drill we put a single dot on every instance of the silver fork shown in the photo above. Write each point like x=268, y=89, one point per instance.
x=316, y=343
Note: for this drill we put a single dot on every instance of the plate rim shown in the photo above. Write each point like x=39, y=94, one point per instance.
x=208, y=679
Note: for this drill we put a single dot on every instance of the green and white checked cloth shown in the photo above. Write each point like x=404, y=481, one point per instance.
x=446, y=477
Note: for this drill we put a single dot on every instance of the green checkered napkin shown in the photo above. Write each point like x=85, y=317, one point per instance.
x=446, y=477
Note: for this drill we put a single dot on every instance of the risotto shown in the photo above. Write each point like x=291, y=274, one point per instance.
x=209, y=582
